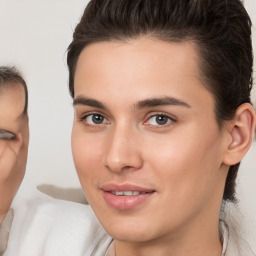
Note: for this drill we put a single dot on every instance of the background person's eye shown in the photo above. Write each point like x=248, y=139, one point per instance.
x=6, y=135
x=95, y=119
x=159, y=120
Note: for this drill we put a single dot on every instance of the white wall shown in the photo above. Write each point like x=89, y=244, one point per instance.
x=34, y=35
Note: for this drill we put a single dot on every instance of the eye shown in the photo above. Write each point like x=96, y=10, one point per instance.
x=159, y=120
x=95, y=119
x=6, y=135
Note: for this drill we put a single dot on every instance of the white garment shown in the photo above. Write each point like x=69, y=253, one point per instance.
x=5, y=227
x=51, y=227
x=233, y=245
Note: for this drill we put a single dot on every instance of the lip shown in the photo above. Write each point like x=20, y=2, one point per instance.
x=126, y=202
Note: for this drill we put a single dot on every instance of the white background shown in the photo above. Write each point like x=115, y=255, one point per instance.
x=34, y=36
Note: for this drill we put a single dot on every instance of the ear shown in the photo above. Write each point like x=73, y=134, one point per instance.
x=241, y=131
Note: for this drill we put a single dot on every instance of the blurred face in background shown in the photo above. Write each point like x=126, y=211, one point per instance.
x=13, y=146
x=146, y=145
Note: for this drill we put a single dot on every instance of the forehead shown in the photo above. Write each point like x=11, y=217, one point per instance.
x=135, y=57
x=154, y=66
x=12, y=101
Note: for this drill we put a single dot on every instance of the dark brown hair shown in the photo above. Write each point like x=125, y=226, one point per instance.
x=11, y=76
x=220, y=29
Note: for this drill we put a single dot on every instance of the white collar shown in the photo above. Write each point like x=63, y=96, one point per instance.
x=224, y=231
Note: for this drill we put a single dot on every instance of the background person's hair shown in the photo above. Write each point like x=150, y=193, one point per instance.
x=219, y=29
x=11, y=76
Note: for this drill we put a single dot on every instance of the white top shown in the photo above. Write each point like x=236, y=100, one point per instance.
x=5, y=230
x=51, y=227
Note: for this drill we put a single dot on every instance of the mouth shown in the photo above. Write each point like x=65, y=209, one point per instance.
x=126, y=197
x=127, y=193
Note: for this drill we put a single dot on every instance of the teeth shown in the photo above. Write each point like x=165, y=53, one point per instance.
x=126, y=193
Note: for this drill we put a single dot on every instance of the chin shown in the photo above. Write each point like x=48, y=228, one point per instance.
x=132, y=236
x=129, y=231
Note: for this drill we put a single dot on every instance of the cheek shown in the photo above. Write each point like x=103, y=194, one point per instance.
x=187, y=162
x=86, y=154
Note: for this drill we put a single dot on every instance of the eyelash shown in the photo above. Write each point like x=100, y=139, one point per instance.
x=170, y=120
x=84, y=117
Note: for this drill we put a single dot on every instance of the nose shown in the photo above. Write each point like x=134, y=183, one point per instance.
x=123, y=151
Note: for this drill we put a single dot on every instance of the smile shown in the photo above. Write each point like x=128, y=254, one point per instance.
x=126, y=196
x=126, y=193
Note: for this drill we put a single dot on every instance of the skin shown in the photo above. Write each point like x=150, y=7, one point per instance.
x=13, y=153
x=182, y=160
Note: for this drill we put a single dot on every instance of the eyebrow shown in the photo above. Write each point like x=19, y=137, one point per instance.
x=163, y=101
x=147, y=103
x=88, y=102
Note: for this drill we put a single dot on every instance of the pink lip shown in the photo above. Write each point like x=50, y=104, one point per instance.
x=125, y=202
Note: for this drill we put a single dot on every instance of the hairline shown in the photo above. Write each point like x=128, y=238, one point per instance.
x=11, y=84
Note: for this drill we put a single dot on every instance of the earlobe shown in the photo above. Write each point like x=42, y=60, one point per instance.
x=241, y=132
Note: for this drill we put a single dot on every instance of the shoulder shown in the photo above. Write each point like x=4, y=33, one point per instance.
x=47, y=226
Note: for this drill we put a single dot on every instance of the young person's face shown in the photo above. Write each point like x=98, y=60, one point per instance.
x=146, y=144
x=13, y=152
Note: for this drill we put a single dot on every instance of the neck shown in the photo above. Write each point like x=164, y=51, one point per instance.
x=200, y=243
x=2, y=216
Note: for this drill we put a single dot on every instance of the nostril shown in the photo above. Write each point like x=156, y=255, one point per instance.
x=119, y=167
